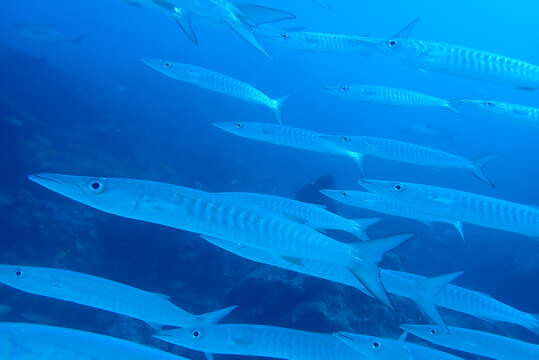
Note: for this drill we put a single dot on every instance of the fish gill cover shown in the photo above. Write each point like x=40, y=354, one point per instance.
x=75, y=98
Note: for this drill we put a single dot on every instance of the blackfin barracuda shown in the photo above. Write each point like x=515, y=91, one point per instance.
x=458, y=60
x=410, y=153
x=104, y=294
x=200, y=212
x=476, y=342
x=38, y=342
x=286, y=136
x=527, y=114
x=214, y=81
x=388, y=96
x=291, y=344
x=462, y=206
x=386, y=205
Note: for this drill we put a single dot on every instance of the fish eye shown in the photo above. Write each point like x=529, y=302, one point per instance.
x=346, y=139
x=168, y=65
x=344, y=194
x=18, y=273
x=284, y=35
x=196, y=334
x=433, y=332
x=345, y=88
x=392, y=43
x=376, y=345
x=238, y=125
x=96, y=186
x=489, y=103
x=398, y=187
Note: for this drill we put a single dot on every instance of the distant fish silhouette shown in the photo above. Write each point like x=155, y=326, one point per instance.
x=46, y=33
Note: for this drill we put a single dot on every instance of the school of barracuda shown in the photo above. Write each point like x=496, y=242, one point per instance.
x=287, y=233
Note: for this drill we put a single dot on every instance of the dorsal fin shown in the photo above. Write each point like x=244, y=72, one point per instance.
x=406, y=31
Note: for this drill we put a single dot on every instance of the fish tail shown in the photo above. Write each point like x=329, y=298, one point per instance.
x=365, y=266
x=477, y=167
x=278, y=108
x=452, y=105
x=216, y=316
x=359, y=227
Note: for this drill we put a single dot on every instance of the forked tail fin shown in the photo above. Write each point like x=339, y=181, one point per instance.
x=425, y=298
x=477, y=165
x=366, y=258
x=245, y=31
x=278, y=108
x=451, y=105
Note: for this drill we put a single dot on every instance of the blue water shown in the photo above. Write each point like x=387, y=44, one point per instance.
x=94, y=109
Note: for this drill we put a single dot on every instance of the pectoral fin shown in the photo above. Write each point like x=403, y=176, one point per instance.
x=183, y=19
x=293, y=260
x=246, y=32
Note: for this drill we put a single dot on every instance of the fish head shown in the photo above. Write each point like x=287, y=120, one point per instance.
x=431, y=333
x=254, y=130
x=165, y=67
x=352, y=144
x=210, y=339
x=486, y=105
x=399, y=47
x=370, y=346
x=136, y=199
x=352, y=197
x=19, y=276
x=339, y=195
x=393, y=189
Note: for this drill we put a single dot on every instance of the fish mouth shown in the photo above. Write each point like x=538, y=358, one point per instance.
x=44, y=179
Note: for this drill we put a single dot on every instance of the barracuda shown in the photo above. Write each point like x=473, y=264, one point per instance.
x=476, y=342
x=104, y=294
x=200, y=212
x=216, y=82
x=456, y=205
x=410, y=153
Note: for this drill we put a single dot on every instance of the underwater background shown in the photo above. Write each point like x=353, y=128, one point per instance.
x=93, y=108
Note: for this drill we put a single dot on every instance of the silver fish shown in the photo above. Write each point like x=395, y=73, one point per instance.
x=388, y=349
x=100, y=293
x=46, y=33
x=316, y=41
x=260, y=340
x=38, y=342
x=198, y=212
x=214, y=81
x=410, y=153
x=460, y=61
x=425, y=292
x=312, y=215
x=476, y=342
x=386, y=205
x=286, y=136
x=456, y=205
x=388, y=96
x=528, y=114
x=242, y=18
